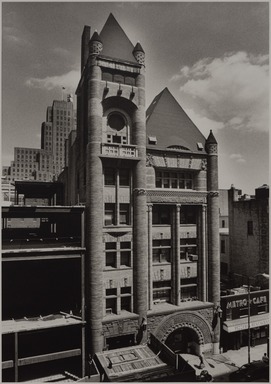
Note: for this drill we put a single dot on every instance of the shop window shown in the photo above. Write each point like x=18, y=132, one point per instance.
x=109, y=217
x=109, y=176
x=250, y=227
x=124, y=214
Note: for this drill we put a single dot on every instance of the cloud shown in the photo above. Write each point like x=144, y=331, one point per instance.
x=237, y=157
x=14, y=36
x=233, y=89
x=203, y=123
x=68, y=80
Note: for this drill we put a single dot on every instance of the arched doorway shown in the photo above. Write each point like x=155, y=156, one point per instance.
x=187, y=331
x=183, y=340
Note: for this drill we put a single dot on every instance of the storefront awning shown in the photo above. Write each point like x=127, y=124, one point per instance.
x=241, y=324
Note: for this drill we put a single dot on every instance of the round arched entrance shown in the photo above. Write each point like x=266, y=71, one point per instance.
x=183, y=340
x=185, y=332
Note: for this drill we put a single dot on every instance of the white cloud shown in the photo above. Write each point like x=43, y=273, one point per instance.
x=203, y=123
x=233, y=90
x=237, y=157
x=68, y=80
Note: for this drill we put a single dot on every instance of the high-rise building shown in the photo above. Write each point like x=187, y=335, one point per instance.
x=150, y=187
x=47, y=162
x=55, y=130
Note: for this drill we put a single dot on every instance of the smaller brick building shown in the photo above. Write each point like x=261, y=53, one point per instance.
x=249, y=232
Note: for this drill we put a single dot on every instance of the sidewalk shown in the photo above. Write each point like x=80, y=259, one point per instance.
x=220, y=366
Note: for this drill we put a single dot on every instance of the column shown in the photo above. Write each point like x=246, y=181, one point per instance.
x=203, y=255
x=140, y=228
x=94, y=213
x=176, y=275
x=150, y=269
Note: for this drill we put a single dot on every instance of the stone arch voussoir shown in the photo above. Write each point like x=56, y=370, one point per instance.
x=191, y=320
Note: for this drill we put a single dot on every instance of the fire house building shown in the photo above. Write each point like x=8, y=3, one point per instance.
x=149, y=182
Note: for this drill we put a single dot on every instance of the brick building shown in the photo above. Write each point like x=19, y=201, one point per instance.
x=149, y=183
x=249, y=232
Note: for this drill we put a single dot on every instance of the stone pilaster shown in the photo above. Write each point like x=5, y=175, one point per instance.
x=203, y=255
x=213, y=230
x=140, y=241
x=176, y=274
x=94, y=209
x=150, y=269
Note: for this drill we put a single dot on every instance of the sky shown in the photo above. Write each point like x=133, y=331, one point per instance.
x=212, y=56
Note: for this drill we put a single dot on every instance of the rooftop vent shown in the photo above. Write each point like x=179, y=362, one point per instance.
x=152, y=140
x=200, y=146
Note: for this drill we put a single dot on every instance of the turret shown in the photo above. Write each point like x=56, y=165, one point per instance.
x=139, y=54
x=95, y=44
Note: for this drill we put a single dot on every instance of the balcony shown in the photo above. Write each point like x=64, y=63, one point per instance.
x=119, y=150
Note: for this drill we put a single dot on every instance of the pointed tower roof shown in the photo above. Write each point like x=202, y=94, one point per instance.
x=115, y=42
x=96, y=37
x=211, y=139
x=167, y=121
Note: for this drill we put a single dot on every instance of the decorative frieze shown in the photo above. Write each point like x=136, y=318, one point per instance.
x=169, y=160
x=116, y=328
x=213, y=194
x=158, y=196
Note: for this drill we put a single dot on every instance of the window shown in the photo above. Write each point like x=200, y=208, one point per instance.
x=109, y=216
x=110, y=255
x=223, y=223
x=223, y=268
x=124, y=217
x=250, y=227
x=222, y=246
x=189, y=292
x=109, y=176
x=161, y=251
x=111, y=305
x=162, y=291
x=116, y=121
x=124, y=177
x=125, y=253
x=228, y=314
x=161, y=214
x=181, y=180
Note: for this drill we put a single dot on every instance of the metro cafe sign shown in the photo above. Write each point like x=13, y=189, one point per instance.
x=240, y=303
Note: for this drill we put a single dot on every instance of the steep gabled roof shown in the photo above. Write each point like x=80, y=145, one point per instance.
x=167, y=121
x=116, y=44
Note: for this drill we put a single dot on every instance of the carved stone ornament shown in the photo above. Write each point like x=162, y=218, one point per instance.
x=140, y=191
x=203, y=164
x=149, y=160
x=213, y=193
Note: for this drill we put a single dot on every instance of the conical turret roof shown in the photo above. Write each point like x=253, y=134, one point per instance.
x=116, y=44
x=96, y=37
x=168, y=122
x=211, y=139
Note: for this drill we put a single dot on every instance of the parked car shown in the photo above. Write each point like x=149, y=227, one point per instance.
x=251, y=372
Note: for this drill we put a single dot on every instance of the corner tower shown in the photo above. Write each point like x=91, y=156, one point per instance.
x=111, y=182
x=213, y=229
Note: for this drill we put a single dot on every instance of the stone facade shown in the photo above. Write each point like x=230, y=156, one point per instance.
x=151, y=213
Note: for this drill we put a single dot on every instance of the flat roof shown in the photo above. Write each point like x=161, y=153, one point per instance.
x=32, y=324
x=119, y=363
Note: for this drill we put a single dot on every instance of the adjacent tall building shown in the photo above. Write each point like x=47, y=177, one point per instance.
x=149, y=181
x=47, y=162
